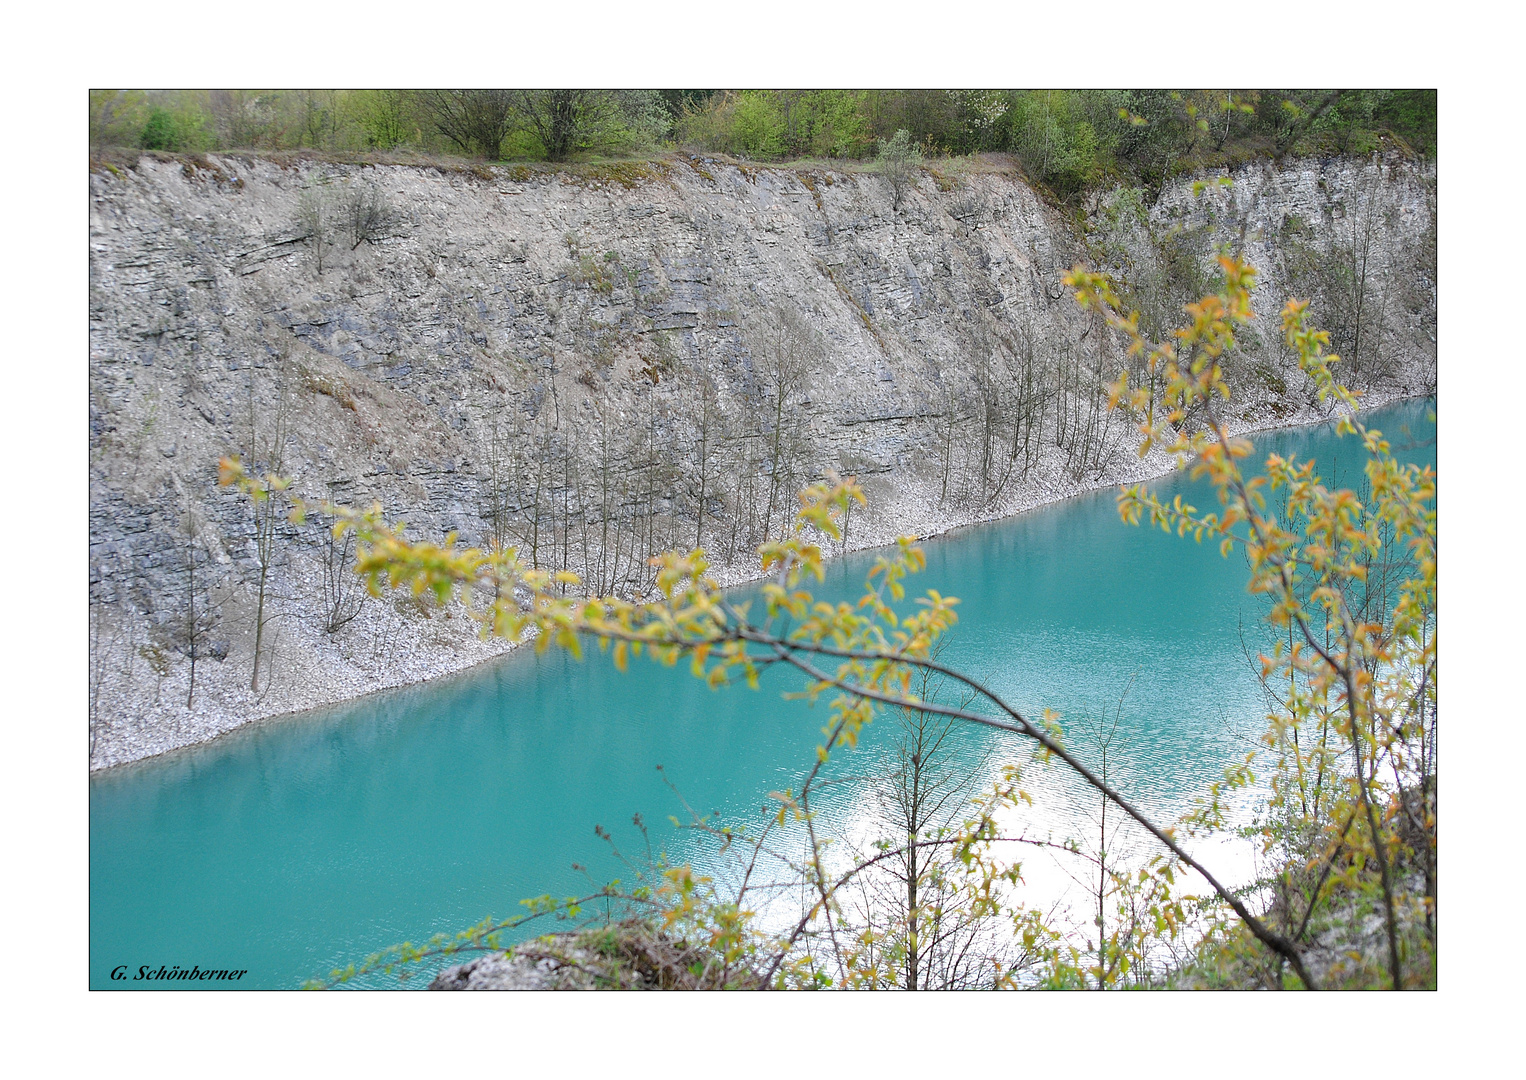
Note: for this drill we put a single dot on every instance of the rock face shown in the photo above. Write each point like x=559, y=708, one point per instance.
x=598, y=364
x=620, y=956
x=549, y=968
x=513, y=972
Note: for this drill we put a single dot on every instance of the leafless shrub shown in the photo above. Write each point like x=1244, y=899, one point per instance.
x=319, y=214
x=367, y=215
x=343, y=596
x=898, y=161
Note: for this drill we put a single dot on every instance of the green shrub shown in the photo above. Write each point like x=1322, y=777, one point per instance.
x=1056, y=139
x=1411, y=115
x=175, y=130
x=159, y=133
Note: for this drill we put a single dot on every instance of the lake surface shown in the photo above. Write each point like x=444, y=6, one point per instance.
x=299, y=845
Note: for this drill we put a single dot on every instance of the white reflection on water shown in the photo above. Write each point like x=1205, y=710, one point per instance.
x=852, y=813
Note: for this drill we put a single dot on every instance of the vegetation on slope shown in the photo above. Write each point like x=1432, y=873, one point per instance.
x=1070, y=141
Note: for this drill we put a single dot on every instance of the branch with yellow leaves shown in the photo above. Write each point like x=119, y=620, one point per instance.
x=878, y=647
x=1308, y=573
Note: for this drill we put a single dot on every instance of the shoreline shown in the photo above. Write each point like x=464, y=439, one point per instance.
x=876, y=535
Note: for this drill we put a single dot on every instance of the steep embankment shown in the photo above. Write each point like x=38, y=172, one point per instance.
x=603, y=363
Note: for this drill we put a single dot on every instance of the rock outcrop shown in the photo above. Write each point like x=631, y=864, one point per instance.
x=628, y=955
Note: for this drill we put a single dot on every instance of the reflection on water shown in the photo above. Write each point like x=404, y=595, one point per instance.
x=295, y=846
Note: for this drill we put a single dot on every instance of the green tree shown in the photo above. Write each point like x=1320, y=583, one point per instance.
x=386, y=116
x=175, y=129
x=247, y=119
x=1057, y=141
x=475, y=121
x=757, y=125
x=159, y=132
x=116, y=116
x=826, y=123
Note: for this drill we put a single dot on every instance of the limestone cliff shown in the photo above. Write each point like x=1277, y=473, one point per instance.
x=596, y=363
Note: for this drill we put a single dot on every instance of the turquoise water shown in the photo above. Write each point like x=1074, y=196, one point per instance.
x=303, y=844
